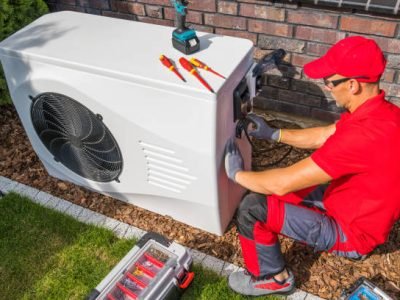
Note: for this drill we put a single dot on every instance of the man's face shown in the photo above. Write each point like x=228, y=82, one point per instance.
x=337, y=85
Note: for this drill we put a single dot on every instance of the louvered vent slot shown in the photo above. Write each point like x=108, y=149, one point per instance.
x=164, y=169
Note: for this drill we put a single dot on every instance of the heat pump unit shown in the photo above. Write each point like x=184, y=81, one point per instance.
x=102, y=112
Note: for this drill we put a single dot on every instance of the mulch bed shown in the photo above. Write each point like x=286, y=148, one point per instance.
x=318, y=273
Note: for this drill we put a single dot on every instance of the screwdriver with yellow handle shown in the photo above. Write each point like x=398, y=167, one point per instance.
x=188, y=67
x=166, y=62
x=197, y=63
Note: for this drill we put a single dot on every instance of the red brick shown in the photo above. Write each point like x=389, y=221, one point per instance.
x=317, y=49
x=128, y=7
x=291, y=45
x=237, y=33
x=84, y=3
x=394, y=90
x=156, y=2
x=262, y=12
x=300, y=59
x=154, y=11
x=368, y=26
x=393, y=61
x=203, y=5
x=270, y=28
x=61, y=7
x=263, y=2
x=99, y=4
x=227, y=7
x=389, y=75
x=118, y=15
x=324, y=115
x=318, y=34
x=68, y=2
x=191, y=17
x=156, y=21
x=225, y=21
x=312, y=18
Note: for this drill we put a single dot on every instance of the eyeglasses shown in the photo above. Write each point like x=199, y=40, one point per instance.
x=333, y=83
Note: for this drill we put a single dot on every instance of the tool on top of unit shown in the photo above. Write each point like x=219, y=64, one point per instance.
x=154, y=269
x=188, y=67
x=364, y=289
x=166, y=62
x=184, y=39
x=198, y=64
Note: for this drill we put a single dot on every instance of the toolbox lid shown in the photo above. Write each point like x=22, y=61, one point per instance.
x=122, y=49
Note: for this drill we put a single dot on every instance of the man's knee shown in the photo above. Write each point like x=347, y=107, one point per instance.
x=252, y=209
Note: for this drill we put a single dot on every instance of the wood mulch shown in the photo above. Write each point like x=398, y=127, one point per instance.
x=318, y=273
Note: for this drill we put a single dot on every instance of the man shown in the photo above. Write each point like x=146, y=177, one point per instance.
x=345, y=197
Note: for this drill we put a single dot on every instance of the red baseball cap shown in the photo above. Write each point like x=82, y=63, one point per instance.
x=351, y=57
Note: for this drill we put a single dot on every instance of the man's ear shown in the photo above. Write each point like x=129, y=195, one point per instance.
x=354, y=86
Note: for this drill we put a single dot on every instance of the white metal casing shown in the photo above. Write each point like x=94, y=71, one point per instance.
x=171, y=133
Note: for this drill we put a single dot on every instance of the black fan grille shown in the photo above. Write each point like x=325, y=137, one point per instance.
x=76, y=137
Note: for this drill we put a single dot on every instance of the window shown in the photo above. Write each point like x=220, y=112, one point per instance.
x=382, y=6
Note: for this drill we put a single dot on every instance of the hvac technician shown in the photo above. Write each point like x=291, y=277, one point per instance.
x=358, y=156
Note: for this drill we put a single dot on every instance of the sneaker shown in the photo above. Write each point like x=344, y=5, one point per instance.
x=244, y=283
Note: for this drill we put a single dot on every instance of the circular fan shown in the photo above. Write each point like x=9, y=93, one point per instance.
x=76, y=137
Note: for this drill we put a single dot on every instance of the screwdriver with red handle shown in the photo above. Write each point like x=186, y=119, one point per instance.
x=197, y=63
x=166, y=62
x=188, y=67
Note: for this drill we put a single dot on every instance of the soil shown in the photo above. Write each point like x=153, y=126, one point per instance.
x=321, y=274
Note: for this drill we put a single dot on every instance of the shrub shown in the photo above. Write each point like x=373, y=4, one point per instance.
x=14, y=15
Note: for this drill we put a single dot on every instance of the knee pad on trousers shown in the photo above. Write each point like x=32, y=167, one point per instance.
x=252, y=209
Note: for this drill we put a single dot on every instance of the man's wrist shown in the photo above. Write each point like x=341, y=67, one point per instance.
x=237, y=175
x=277, y=135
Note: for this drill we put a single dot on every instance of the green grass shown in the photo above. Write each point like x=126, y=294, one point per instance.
x=48, y=255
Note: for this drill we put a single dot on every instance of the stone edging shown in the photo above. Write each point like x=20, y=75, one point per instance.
x=122, y=230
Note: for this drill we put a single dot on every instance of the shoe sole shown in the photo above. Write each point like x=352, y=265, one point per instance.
x=287, y=293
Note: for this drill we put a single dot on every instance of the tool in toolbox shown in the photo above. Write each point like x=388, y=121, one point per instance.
x=154, y=269
x=166, y=62
x=198, y=64
x=188, y=67
x=364, y=289
x=184, y=39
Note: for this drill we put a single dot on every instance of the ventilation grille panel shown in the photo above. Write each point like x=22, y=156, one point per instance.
x=164, y=169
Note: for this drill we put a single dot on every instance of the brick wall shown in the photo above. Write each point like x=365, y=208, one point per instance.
x=304, y=31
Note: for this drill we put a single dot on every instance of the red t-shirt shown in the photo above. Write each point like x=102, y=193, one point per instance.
x=363, y=158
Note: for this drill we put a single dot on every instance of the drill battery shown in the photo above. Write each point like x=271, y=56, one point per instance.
x=155, y=268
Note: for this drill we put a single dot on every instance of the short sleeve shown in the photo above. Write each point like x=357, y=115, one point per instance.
x=346, y=152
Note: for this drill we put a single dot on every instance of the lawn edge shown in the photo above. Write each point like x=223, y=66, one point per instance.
x=121, y=229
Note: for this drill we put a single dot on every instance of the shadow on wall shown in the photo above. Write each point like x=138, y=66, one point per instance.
x=283, y=91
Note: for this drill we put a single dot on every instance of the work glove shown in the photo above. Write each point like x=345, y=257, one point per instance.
x=262, y=130
x=233, y=160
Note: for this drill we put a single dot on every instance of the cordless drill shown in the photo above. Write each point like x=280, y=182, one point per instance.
x=183, y=39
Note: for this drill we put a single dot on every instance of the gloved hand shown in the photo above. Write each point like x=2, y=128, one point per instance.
x=262, y=129
x=233, y=160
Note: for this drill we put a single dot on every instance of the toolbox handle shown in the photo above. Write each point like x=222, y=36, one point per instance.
x=153, y=236
x=187, y=280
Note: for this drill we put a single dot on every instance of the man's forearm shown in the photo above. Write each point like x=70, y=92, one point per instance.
x=309, y=138
x=281, y=181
